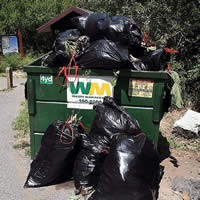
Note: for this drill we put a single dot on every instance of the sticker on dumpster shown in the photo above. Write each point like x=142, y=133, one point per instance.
x=89, y=90
x=46, y=79
x=140, y=88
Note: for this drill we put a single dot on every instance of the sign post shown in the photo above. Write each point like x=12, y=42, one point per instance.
x=20, y=44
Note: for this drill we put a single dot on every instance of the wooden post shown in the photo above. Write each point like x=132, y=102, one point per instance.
x=9, y=75
x=20, y=44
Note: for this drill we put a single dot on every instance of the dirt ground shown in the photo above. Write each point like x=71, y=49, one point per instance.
x=181, y=163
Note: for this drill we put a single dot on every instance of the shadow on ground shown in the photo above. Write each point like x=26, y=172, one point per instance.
x=164, y=150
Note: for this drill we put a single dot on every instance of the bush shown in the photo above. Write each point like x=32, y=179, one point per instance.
x=14, y=61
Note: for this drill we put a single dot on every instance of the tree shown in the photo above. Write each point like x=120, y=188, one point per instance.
x=27, y=16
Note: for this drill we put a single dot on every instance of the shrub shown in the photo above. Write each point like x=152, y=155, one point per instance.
x=14, y=61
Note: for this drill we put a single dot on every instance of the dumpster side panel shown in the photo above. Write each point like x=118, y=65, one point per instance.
x=141, y=94
x=47, y=112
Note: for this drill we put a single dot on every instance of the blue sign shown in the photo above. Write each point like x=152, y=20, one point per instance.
x=9, y=45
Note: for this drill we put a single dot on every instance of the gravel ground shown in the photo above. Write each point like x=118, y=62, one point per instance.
x=13, y=164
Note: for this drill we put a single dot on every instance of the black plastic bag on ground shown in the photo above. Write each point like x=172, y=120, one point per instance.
x=123, y=30
x=129, y=171
x=88, y=164
x=150, y=60
x=110, y=119
x=54, y=162
x=105, y=54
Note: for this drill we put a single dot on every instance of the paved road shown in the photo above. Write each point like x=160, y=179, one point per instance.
x=14, y=166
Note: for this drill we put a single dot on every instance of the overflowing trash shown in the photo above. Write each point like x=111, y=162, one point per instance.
x=114, y=158
x=113, y=42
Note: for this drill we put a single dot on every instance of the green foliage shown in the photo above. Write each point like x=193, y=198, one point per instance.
x=186, y=145
x=14, y=61
x=27, y=16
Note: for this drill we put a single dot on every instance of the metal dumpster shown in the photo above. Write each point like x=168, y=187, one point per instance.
x=141, y=93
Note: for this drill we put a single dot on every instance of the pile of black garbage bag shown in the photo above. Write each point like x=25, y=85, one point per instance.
x=114, y=158
x=103, y=42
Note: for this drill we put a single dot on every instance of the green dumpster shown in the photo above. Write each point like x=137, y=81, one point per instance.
x=141, y=93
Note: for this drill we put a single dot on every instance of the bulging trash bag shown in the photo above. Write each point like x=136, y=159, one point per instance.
x=95, y=24
x=105, y=54
x=54, y=162
x=89, y=163
x=64, y=47
x=71, y=34
x=79, y=22
x=92, y=25
x=110, y=119
x=53, y=59
x=129, y=170
x=123, y=30
x=120, y=29
x=159, y=58
x=151, y=60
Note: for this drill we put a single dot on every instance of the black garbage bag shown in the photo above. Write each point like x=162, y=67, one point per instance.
x=151, y=60
x=53, y=59
x=79, y=22
x=89, y=163
x=105, y=54
x=95, y=24
x=159, y=58
x=54, y=162
x=123, y=30
x=129, y=170
x=110, y=119
x=64, y=47
x=92, y=25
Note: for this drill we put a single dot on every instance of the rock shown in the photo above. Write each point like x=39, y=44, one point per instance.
x=190, y=188
x=187, y=126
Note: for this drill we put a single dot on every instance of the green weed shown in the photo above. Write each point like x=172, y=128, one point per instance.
x=184, y=144
x=21, y=125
